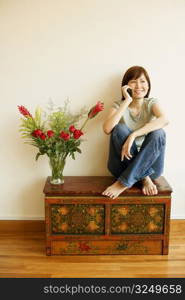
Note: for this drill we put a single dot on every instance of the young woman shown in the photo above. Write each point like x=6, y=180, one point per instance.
x=137, y=141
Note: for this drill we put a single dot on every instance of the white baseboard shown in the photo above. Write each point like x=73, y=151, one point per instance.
x=177, y=217
x=39, y=218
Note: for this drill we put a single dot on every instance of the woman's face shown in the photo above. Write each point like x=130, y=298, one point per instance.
x=139, y=87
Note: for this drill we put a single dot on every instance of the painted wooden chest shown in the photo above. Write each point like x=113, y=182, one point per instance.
x=80, y=221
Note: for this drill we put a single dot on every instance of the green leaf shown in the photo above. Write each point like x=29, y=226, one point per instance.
x=38, y=116
x=37, y=156
x=79, y=150
x=49, y=152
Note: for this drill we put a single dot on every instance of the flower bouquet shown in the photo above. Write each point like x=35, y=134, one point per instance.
x=57, y=136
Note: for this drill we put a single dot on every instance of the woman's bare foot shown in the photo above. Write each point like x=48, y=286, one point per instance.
x=114, y=190
x=149, y=188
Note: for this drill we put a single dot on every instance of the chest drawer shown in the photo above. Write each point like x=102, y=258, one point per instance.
x=137, y=218
x=77, y=219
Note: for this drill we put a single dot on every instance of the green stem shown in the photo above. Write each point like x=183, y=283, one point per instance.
x=84, y=123
x=57, y=164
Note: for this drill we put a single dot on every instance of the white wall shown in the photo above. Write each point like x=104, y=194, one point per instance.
x=80, y=49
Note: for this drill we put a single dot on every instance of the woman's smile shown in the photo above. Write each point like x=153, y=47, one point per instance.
x=139, y=92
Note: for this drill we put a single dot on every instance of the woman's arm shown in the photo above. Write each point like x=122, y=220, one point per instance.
x=114, y=116
x=158, y=123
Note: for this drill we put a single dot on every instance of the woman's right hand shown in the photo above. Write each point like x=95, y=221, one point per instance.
x=126, y=95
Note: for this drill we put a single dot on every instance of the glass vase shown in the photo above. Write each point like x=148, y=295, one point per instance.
x=57, y=164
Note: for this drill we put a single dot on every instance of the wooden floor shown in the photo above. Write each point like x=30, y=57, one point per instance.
x=23, y=255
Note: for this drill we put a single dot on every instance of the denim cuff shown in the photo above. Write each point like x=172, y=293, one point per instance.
x=148, y=173
x=122, y=181
x=125, y=183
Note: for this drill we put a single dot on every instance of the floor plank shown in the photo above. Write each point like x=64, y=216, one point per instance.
x=23, y=255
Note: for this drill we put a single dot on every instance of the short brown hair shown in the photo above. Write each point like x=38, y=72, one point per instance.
x=134, y=73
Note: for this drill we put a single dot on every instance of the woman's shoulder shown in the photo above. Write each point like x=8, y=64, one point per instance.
x=151, y=100
x=149, y=103
x=116, y=104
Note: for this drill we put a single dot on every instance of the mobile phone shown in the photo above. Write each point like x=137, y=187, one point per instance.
x=129, y=91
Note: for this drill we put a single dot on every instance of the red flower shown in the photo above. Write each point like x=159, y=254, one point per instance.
x=43, y=136
x=77, y=134
x=24, y=112
x=84, y=246
x=37, y=133
x=50, y=133
x=72, y=128
x=65, y=136
x=95, y=110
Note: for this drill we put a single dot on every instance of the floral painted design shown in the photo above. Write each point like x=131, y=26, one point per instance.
x=99, y=247
x=77, y=219
x=137, y=218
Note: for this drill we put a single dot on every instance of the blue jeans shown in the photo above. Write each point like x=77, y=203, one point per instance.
x=149, y=161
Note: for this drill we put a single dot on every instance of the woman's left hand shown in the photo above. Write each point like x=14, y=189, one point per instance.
x=125, y=152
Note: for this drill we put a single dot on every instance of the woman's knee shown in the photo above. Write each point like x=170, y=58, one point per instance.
x=121, y=130
x=158, y=134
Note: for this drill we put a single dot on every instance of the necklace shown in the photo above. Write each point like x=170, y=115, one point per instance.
x=138, y=116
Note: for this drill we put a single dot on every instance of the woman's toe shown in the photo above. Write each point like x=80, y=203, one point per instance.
x=152, y=192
